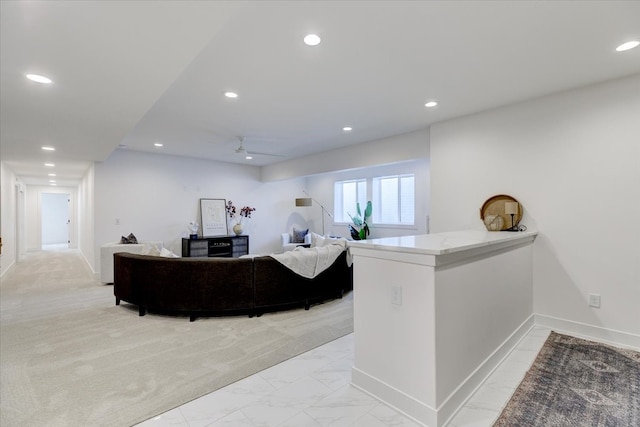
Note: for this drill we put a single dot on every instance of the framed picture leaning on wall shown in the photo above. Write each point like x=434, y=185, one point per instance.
x=213, y=217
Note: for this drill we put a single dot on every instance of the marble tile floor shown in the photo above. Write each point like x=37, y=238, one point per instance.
x=313, y=390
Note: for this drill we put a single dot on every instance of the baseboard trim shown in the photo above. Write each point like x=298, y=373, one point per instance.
x=421, y=412
x=7, y=269
x=401, y=402
x=87, y=264
x=474, y=381
x=583, y=330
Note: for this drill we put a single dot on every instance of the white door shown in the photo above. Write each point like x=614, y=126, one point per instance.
x=55, y=219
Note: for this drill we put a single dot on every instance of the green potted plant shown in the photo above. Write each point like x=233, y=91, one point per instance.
x=360, y=229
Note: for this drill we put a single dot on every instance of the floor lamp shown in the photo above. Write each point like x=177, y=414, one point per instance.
x=307, y=201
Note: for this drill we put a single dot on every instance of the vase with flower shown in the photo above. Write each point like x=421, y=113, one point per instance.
x=237, y=216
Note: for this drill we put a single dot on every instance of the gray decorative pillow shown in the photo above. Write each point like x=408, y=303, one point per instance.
x=130, y=239
x=298, y=235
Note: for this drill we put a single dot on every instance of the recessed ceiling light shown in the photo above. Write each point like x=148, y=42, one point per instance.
x=347, y=128
x=312, y=40
x=157, y=144
x=52, y=174
x=48, y=149
x=52, y=180
x=53, y=184
x=231, y=94
x=628, y=45
x=38, y=78
x=431, y=104
x=49, y=165
x=248, y=157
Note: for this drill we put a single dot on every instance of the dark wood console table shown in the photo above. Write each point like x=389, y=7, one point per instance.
x=223, y=246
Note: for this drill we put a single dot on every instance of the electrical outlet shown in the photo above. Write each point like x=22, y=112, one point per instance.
x=594, y=300
x=396, y=295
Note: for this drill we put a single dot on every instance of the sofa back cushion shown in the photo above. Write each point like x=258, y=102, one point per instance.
x=189, y=283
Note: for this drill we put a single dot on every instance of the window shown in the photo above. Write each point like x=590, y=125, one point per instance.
x=346, y=195
x=393, y=200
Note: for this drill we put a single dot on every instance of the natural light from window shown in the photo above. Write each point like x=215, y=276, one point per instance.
x=346, y=195
x=393, y=198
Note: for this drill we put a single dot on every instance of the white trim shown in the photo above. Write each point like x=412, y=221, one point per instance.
x=394, y=398
x=583, y=330
x=3, y=272
x=457, y=399
x=429, y=416
x=579, y=330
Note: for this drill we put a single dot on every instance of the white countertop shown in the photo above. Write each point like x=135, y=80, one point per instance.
x=442, y=243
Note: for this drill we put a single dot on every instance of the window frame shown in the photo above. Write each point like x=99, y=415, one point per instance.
x=369, y=182
x=339, y=218
x=378, y=197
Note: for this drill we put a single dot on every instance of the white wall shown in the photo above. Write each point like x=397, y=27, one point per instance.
x=395, y=149
x=155, y=196
x=7, y=219
x=573, y=161
x=86, y=218
x=405, y=153
x=33, y=215
x=321, y=188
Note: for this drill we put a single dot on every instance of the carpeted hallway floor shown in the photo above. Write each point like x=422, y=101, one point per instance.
x=71, y=357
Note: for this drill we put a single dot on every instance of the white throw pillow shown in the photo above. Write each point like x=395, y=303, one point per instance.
x=152, y=250
x=316, y=240
x=167, y=253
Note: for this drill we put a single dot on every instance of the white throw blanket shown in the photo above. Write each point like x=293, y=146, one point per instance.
x=309, y=262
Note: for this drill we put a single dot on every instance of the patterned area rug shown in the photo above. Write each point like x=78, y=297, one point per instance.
x=575, y=382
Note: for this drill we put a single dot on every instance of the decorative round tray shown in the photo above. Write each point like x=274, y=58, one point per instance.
x=493, y=213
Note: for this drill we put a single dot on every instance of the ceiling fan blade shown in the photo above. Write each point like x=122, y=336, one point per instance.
x=264, y=154
x=243, y=151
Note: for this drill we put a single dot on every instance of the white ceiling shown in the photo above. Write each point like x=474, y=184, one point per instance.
x=138, y=72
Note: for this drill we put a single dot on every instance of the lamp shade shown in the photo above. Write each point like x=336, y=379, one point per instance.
x=511, y=208
x=305, y=201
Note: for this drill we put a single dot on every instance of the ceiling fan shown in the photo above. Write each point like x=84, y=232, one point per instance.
x=248, y=154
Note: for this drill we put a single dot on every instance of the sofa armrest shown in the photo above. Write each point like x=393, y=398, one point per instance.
x=106, y=255
x=286, y=238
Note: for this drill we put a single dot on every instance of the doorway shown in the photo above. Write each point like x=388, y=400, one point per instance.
x=56, y=214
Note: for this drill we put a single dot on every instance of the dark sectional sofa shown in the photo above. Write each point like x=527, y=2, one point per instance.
x=222, y=286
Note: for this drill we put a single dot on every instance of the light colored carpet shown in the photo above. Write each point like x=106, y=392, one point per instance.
x=70, y=357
